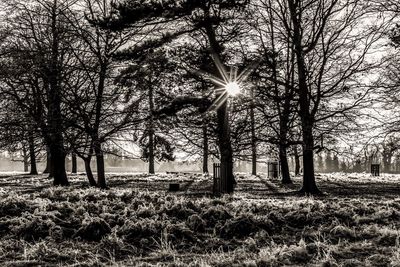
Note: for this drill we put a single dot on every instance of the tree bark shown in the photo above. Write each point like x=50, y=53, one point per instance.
x=224, y=140
x=151, y=152
x=296, y=161
x=205, y=147
x=74, y=163
x=58, y=164
x=284, y=109
x=25, y=158
x=89, y=172
x=283, y=132
x=151, y=132
x=253, y=137
x=306, y=116
x=101, y=177
x=284, y=164
x=309, y=184
x=55, y=140
x=32, y=155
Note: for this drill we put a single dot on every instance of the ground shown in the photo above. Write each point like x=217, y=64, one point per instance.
x=137, y=222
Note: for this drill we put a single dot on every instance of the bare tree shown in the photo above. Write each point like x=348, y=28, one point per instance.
x=37, y=46
x=331, y=55
x=99, y=108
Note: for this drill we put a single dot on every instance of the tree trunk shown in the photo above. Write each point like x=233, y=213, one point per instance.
x=58, y=164
x=284, y=164
x=205, y=147
x=25, y=158
x=74, y=163
x=151, y=132
x=47, y=169
x=32, y=155
x=283, y=132
x=88, y=170
x=55, y=123
x=296, y=161
x=283, y=109
x=253, y=137
x=101, y=177
x=228, y=180
x=49, y=165
x=224, y=140
x=306, y=115
x=309, y=185
x=151, y=152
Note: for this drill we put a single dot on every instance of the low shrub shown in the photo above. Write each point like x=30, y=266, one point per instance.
x=341, y=231
x=93, y=229
x=179, y=211
x=215, y=214
x=239, y=228
x=14, y=207
x=134, y=231
x=196, y=223
x=32, y=227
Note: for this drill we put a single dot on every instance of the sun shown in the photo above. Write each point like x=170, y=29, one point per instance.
x=232, y=88
x=230, y=83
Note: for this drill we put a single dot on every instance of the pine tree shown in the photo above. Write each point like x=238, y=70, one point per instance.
x=215, y=19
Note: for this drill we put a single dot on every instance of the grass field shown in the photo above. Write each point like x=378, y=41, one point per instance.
x=138, y=223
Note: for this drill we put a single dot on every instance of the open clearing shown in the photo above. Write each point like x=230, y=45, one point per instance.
x=138, y=223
